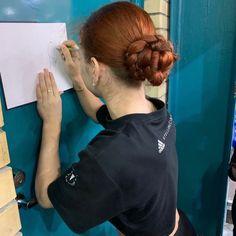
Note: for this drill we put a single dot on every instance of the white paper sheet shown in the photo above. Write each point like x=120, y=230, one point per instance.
x=25, y=49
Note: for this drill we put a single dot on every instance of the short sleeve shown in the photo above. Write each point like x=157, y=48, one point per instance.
x=103, y=115
x=84, y=196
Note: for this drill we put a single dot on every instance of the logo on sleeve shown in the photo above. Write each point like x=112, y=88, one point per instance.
x=161, y=146
x=71, y=178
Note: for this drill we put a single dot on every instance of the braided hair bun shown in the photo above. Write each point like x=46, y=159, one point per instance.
x=151, y=58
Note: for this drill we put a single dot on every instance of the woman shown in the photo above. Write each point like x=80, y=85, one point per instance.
x=128, y=173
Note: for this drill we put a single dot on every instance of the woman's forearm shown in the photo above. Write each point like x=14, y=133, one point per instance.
x=88, y=101
x=48, y=164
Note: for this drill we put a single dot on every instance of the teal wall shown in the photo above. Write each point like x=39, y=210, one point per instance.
x=201, y=101
x=23, y=126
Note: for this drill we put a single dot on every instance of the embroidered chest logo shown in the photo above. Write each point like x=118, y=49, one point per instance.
x=161, y=146
x=71, y=178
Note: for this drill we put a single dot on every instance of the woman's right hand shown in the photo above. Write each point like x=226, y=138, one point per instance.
x=72, y=60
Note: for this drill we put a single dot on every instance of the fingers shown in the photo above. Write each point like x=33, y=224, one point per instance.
x=60, y=51
x=48, y=82
x=38, y=93
x=42, y=85
x=75, y=54
x=47, y=86
x=73, y=49
x=53, y=84
x=66, y=53
x=69, y=43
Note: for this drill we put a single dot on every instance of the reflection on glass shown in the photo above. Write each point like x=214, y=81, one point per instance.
x=9, y=11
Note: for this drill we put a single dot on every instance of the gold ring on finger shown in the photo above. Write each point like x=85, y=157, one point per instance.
x=49, y=90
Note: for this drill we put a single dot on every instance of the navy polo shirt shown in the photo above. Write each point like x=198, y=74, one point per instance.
x=127, y=175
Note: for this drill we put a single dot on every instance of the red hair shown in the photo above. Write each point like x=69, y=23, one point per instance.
x=122, y=36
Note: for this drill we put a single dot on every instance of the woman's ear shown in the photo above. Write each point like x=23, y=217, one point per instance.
x=95, y=71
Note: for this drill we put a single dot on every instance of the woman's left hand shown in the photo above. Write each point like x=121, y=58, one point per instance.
x=49, y=101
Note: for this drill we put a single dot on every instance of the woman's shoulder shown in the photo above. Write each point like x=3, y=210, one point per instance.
x=106, y=141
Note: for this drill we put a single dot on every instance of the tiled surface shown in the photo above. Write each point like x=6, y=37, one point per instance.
x=163, y=32
x=152, y=6
x=159, y=12
x=9, y=212
x=160, y=21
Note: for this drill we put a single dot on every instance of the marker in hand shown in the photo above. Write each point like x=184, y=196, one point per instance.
x=72, y=49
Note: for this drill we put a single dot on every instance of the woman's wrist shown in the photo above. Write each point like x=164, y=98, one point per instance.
x=78, y=84
x=78, y=89
x=52, y=127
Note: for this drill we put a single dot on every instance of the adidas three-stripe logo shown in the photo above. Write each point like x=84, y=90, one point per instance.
x=161, y=146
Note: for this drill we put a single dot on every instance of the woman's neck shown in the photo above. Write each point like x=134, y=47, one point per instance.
x=127, y=100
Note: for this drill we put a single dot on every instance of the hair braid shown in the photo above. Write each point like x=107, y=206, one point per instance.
x=150, y=58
